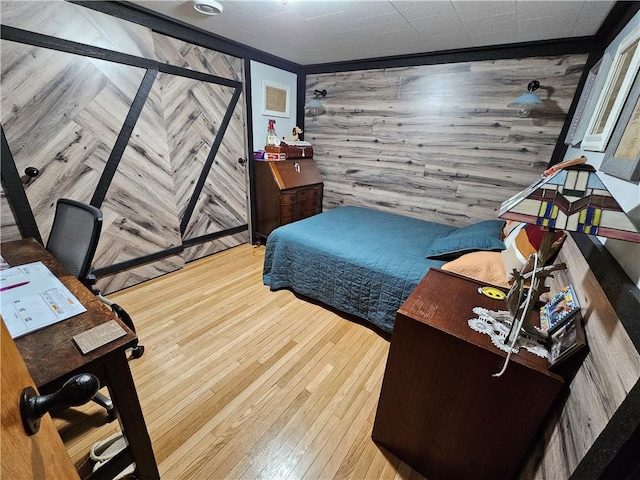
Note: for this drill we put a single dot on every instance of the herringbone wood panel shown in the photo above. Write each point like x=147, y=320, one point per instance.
x=62, y=114
x=241, y=382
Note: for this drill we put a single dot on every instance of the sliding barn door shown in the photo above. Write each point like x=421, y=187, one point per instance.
x=149, y=128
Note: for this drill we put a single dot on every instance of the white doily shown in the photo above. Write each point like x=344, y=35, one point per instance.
x=497, y=324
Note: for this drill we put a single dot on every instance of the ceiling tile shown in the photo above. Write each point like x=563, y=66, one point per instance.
x=438, y=24
x=592, y=11
x=468, y=10
x=547, y=27
x=421, y=8
x=383, y=23
x=447, y=41
x=500, y=37
x=528, y=9
x=366, y=9
x=489, y=25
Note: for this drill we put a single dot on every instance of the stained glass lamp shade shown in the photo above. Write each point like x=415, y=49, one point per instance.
x=572, y=199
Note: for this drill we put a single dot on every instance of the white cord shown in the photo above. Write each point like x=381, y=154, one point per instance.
x=519, y=323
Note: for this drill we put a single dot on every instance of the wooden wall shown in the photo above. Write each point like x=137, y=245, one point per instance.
x=438, y=142
x=603, y=382
x=131, y=128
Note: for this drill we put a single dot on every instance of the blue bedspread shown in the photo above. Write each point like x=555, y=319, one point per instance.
x=360, y=261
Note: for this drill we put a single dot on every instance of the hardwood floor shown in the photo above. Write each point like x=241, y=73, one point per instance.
x=240, y=382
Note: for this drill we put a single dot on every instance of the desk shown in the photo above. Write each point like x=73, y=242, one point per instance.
x=441, y=411
x=52, y=357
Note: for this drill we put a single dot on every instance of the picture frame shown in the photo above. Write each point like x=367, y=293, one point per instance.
x=622, y=156
x=620, y=77
x=567, y=340
x=276, y=99
x=559, y=309
x=583, y=109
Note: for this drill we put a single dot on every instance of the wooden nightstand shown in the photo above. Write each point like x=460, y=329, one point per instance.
x=440, y=409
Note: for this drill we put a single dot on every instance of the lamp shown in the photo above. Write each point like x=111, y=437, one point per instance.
x=572, y=199
x=569, y=196
x=525, y=102
x=315, y=107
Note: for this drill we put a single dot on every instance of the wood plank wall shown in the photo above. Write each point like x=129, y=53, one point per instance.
x=605, y=378
x=438, y=142
x=63, y=113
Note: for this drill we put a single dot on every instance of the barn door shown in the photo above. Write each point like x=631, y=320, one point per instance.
x=150, y=132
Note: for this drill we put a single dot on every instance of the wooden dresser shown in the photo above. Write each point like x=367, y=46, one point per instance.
x=441, y=411
x=286, y=191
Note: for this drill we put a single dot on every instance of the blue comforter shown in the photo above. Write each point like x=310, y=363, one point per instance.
x=360, y=261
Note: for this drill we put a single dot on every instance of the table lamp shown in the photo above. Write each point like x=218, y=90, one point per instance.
x=569, y=196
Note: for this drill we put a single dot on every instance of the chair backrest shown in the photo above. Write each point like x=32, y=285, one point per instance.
x=74, y=236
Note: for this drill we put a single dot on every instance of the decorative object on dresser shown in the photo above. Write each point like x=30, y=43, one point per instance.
x=570, y=197
x=286, y=191
x=295, y=134
x=297, y=149
x=440, y=410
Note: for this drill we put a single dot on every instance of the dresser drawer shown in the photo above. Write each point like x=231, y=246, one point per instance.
x=287, y=210
x=310, y=204
x=308, y=193
x=306, y=213
x=288, y=198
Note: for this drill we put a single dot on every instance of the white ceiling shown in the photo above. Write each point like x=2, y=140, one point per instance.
x=324, y=31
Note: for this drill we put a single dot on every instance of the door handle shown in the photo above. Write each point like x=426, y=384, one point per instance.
x=242, y=161
x=78, y=390
x=30, y=173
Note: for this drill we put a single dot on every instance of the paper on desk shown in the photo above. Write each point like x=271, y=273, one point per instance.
x=32, y=297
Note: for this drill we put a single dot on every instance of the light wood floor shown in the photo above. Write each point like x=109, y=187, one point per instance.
x=240, y=382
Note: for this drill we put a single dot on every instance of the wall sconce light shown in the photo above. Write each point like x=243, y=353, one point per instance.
x=527, y=101
x=314, y=107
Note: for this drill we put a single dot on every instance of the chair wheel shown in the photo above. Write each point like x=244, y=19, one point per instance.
x=137, y=351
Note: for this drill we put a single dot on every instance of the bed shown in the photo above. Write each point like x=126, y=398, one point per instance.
x=366, y=262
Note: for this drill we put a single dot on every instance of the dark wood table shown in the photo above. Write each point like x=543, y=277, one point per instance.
x=441, y=411
x=52, y=357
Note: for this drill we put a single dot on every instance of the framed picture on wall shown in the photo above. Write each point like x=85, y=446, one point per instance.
x=620, y=77
x=622, y=156
x=575, y=133
x=275, y=99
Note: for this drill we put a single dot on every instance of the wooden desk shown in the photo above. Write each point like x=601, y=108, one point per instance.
x=52, y=357
x=441, y=411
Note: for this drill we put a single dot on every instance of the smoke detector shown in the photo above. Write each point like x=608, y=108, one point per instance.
x=207, y=7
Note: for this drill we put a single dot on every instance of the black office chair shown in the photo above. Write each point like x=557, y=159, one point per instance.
x=73, y=241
